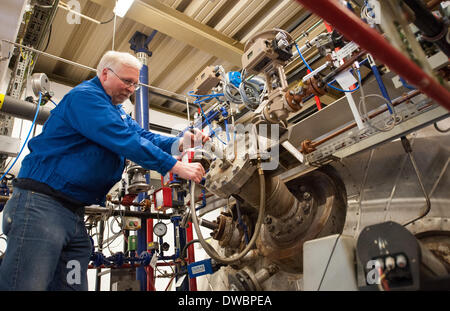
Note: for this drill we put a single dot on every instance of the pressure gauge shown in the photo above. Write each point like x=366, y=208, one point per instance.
x=160, y=229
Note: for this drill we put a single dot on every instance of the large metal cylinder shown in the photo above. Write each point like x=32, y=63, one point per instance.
x=312, y=207
x=23, y=109
x=279, y=199
x=320, y=211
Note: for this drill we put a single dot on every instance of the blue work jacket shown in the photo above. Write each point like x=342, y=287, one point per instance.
x=83, y=145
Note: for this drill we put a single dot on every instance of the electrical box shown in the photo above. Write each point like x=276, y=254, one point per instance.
x=200, y=268
x=258, y=56
x=329, y=264
x=206, y=80
x=131, y=223
x=163, y=199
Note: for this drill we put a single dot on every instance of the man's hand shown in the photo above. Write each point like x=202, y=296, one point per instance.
x=189, y=171
x=192, y=139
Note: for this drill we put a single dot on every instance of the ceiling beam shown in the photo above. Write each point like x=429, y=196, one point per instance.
x=183, y=28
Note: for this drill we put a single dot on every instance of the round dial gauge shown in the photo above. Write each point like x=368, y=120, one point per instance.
x=160, y=229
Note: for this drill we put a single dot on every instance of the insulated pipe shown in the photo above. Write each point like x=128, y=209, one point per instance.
x=23, y=109
x=113, y=212
x=348, y=24
x=434, y=30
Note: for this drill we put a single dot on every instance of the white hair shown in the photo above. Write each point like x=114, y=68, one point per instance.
x=115, y=60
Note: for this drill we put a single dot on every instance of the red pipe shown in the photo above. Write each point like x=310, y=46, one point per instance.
x=149, y=269
x=191, y=256
x=349, y=25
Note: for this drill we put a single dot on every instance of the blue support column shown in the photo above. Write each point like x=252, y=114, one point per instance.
x=139, y=44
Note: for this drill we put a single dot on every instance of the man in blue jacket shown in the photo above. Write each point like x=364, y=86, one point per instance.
x=79, y=156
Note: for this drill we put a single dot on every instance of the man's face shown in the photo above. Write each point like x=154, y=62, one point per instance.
x=118, y=83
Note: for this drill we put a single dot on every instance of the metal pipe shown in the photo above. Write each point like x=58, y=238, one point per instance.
x=98, y=278
x=408, y=150
x=191, y=255
x=141, y=109
x=368, y=39
x=208, y=224
x=142, y=215
x=150, y=270
x=328, y=78
x=128, y=265
x=23, y=109
x=50, y=55
x=66, y=7
x=352, y=125
x=154, y=88
x=433, y=29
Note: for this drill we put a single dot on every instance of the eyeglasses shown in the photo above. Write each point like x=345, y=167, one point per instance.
x=127, y=82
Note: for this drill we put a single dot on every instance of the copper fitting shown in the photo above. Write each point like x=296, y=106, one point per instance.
x=294, y=100
x=307, y=146
x=312, y=87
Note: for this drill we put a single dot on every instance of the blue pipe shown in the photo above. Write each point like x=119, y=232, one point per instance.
x=141, y=111
x=381, y=86
x=141, y=108
x=203, y=200
x=303, y=59
x=225, y=115
x=406, y=85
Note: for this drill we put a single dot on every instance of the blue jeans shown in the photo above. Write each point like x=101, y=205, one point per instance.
x=48, y=247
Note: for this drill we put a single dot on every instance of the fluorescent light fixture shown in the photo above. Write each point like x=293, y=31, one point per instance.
x=122, y=7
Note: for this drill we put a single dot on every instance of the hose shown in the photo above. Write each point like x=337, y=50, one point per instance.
x=303, y=59
x=209, y=249
x=408, y=149
x=439, y=129
x=26, y=139
x=365, y=116
x=183, y=252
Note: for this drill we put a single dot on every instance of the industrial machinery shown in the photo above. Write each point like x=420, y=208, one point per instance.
x=275, y=209
x=304, y=192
